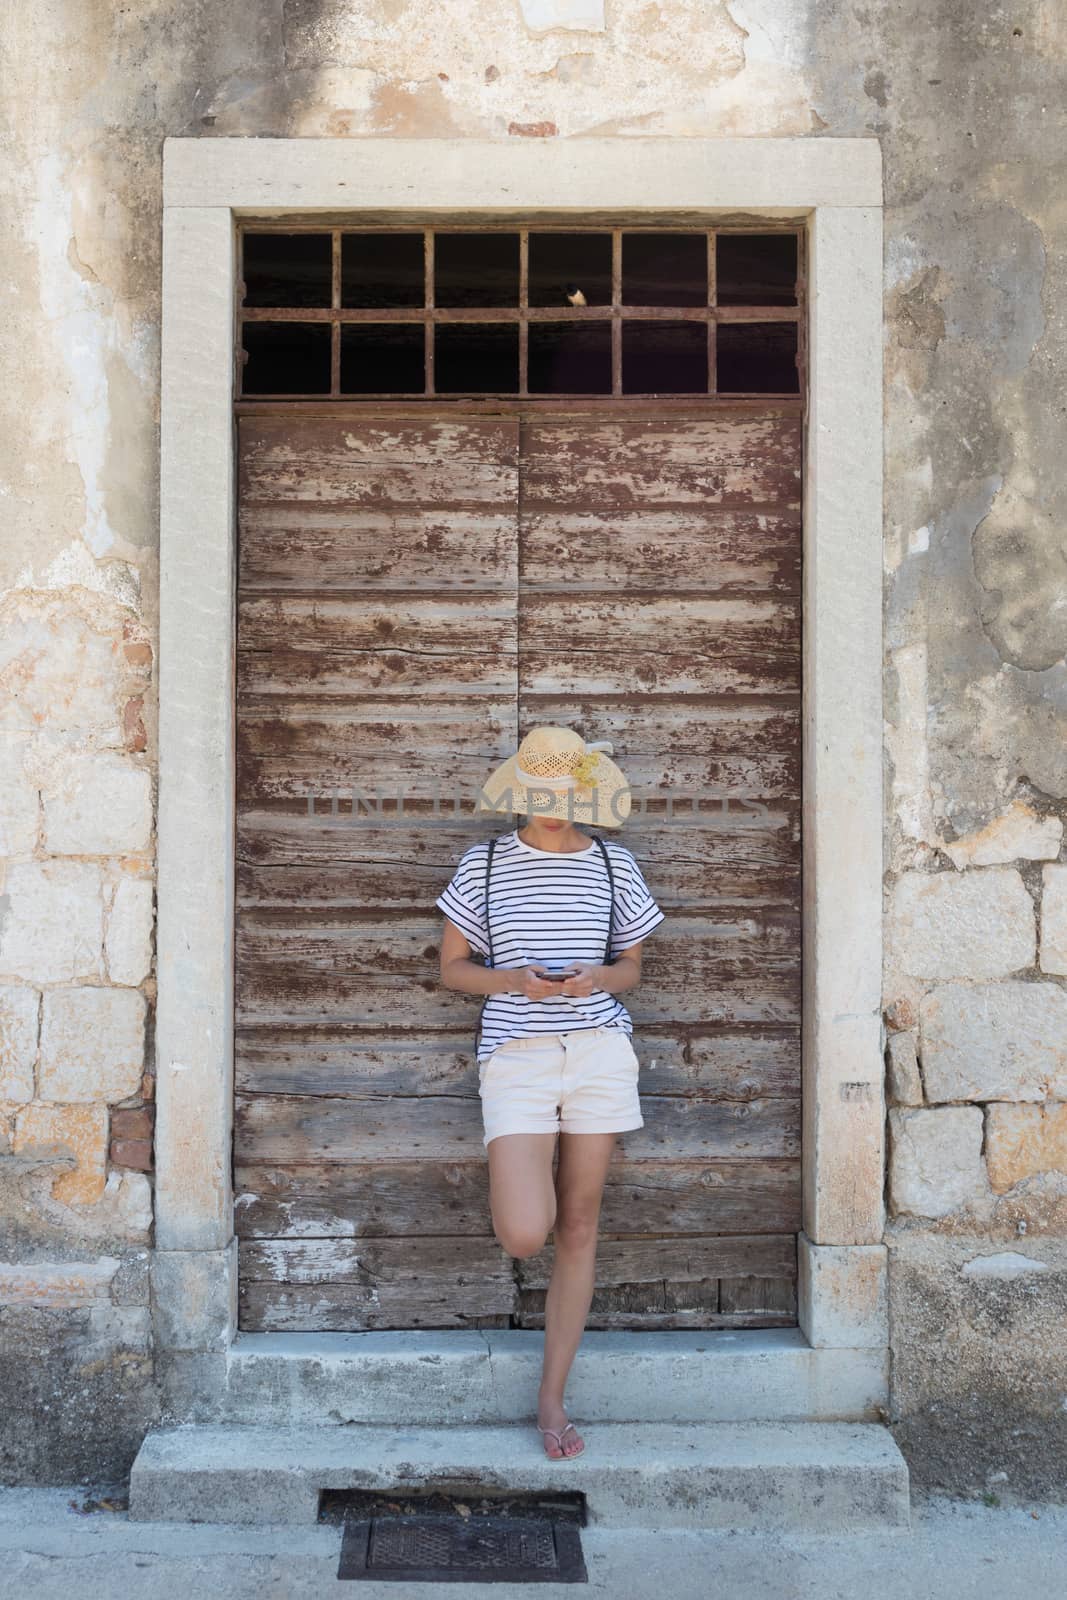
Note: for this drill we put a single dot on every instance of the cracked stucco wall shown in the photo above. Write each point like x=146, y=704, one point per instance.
x=967, y=104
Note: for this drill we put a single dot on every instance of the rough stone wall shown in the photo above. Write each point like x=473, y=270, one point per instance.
x=968, y=106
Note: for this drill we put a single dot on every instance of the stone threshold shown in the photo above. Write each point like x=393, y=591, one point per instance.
x=491, y=1376
x=833, y=1477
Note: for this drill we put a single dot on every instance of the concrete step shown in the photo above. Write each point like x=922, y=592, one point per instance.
x=472, y=1376
x=825, y=1477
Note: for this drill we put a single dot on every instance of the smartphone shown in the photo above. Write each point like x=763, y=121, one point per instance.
x=554, y=971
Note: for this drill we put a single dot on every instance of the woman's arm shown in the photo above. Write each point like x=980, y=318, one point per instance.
x=459, y=971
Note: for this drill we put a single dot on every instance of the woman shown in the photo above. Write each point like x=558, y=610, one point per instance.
x=567, y=917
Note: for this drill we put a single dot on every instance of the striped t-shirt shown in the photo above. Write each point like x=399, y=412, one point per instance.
x=548, y=906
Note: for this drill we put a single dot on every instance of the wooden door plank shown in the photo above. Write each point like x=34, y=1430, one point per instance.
x=372, y=461
x=442, y=1302
x=332, y=1059
x=301, y=1128
x=738, y=549
x=704, y=860
x=328, y=549
x=675, y=1260
x=617, y=463
x=295, y=748
x=736, y=969
x=387, y=1199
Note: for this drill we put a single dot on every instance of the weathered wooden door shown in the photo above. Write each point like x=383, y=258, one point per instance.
x=414, y=593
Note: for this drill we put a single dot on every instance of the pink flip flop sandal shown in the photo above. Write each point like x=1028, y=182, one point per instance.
x=563, y=1455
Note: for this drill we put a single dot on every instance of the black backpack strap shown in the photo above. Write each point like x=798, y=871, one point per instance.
x=488, y=924
x=488, y=940
x=609, y=960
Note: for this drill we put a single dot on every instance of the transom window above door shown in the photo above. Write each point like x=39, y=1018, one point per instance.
x=475, y=312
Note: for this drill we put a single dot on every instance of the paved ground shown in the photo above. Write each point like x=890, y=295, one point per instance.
x=51, y=1549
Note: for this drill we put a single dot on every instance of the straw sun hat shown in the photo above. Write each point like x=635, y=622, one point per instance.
x=556, y=774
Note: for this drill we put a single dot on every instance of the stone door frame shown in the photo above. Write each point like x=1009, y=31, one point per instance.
x=834, y=188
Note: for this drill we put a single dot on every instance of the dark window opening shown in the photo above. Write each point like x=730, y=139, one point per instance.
x=561, y=263
x=602, y=311
x=383, y=358
x=757, y=358
x=476, y=358
x=569, y=358
x=381, y=270
x=287, y=358
x=288, y=269
x=664, y=358
x=756, y=269
x=664, y=269
x=476, y=269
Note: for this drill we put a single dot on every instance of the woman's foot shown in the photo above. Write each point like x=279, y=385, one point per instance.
x=559, y=1439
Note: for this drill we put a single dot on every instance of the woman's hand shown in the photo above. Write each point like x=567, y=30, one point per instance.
x=588, y=975
x=624, y=973
x=535, y=986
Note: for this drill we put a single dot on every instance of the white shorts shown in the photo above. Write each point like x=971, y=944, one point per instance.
x=582, y=1081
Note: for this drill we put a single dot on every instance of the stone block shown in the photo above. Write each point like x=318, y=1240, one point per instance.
x=843, y=1295
x=92, y=1044
x=61, y=1285
x=101, y=806
x=129, y=932
x=935, y=1161
x=125, y=1207
x=976, y=924
x=903, y=1083
x=111, y=1327
x=69, y=1130
x=131, y=1285
x=19, y=804
x=60, y=668
x=1018, y=834
x=54, y=928
x=19, y=1007
x=994, y=1041
x=1054, y=918
x=194, y=1298
x=1022, y=1141
x=978, y=1364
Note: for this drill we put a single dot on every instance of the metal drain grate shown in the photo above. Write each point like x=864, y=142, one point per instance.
x=443, y=1547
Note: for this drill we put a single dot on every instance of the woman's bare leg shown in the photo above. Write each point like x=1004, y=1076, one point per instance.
x=584, y=1159
x=522, y=1196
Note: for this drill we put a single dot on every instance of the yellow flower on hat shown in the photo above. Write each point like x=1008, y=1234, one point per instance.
x=584, y=771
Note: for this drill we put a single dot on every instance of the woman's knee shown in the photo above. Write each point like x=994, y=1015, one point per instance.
x=576, y=1230
x=521, y=1242
x=523, y=1234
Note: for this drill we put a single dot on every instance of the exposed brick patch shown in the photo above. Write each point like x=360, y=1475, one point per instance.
x=133, y=1122
x=901, y=1014
x=133, y=730
x=533, y=130
x=135, y=1153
